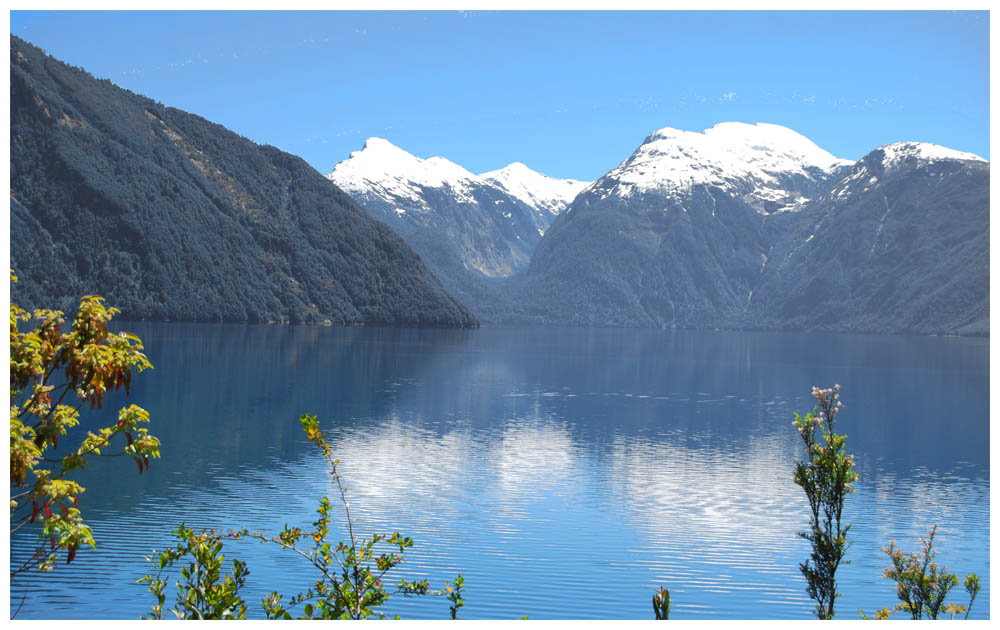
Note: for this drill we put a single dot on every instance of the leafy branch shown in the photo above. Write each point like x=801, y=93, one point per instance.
x=47, y=365
x=350, y=582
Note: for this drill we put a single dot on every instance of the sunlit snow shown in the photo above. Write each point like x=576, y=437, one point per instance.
x=732, y=155
x=535, y=189
x=894, y=156
x=923, y=151
x=400, y=178
x=393, y=174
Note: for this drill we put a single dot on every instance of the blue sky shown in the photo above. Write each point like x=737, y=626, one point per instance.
x=570, y=94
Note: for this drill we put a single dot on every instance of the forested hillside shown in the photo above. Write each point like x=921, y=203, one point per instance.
x=172, y=217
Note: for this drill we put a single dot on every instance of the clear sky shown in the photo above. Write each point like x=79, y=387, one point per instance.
x=570, y=94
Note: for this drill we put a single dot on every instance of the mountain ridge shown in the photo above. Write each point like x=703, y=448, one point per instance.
x=712, y=228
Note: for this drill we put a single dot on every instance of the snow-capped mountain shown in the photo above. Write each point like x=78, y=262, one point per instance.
x=922, y=151
x=737, y=226
x=899, y=156
x=384, y=169
x=490, y=231
x=753, y=226
x=381, y=168
x=547, y=196
x=899, y=244
x=769, y=167
x=469, y=229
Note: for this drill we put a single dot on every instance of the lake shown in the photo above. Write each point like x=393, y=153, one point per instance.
x=565, y=472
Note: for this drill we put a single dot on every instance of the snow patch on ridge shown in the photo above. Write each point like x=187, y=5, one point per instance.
x=925, y=151
x=898, y=155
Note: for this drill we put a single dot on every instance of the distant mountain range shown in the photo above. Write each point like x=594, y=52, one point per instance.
x=737, y=227
x=753, y=227
x=169, y=216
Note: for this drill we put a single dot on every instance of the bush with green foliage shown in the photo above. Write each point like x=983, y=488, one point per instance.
x=53, y=374
x=827, y=477
x=350, y=574
x=922, y=585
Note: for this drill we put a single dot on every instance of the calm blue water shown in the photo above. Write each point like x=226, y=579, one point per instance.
x=564, y=472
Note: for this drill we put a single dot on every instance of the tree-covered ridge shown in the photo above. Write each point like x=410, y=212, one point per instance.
x=173, y=217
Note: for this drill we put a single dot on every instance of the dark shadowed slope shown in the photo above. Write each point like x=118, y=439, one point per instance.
x=900, y=244
x=170, y=216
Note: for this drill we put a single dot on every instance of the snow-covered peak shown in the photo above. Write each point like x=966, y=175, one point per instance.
x=895, y=157
x=924, y=151
x=535, y=189
x=384, y=171
x=751, y=159
x=381, y=164
x=728, y=149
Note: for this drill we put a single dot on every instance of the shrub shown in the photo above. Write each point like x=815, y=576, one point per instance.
x=661, y=603
x=350, y=574
x=826, y=477
x=53, y=374
x=922, y=585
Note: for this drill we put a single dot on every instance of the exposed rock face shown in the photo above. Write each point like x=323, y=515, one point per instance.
x=169, y=216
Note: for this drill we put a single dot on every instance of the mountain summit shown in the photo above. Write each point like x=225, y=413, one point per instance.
x=546, y=196
x=440, y=207
x=401, y=176
x=924, y=151
x=770, y=167
x=383, y=169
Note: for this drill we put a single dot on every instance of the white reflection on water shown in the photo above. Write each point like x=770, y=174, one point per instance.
x=394, y=463
x=530, y=460
x=716, y=519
